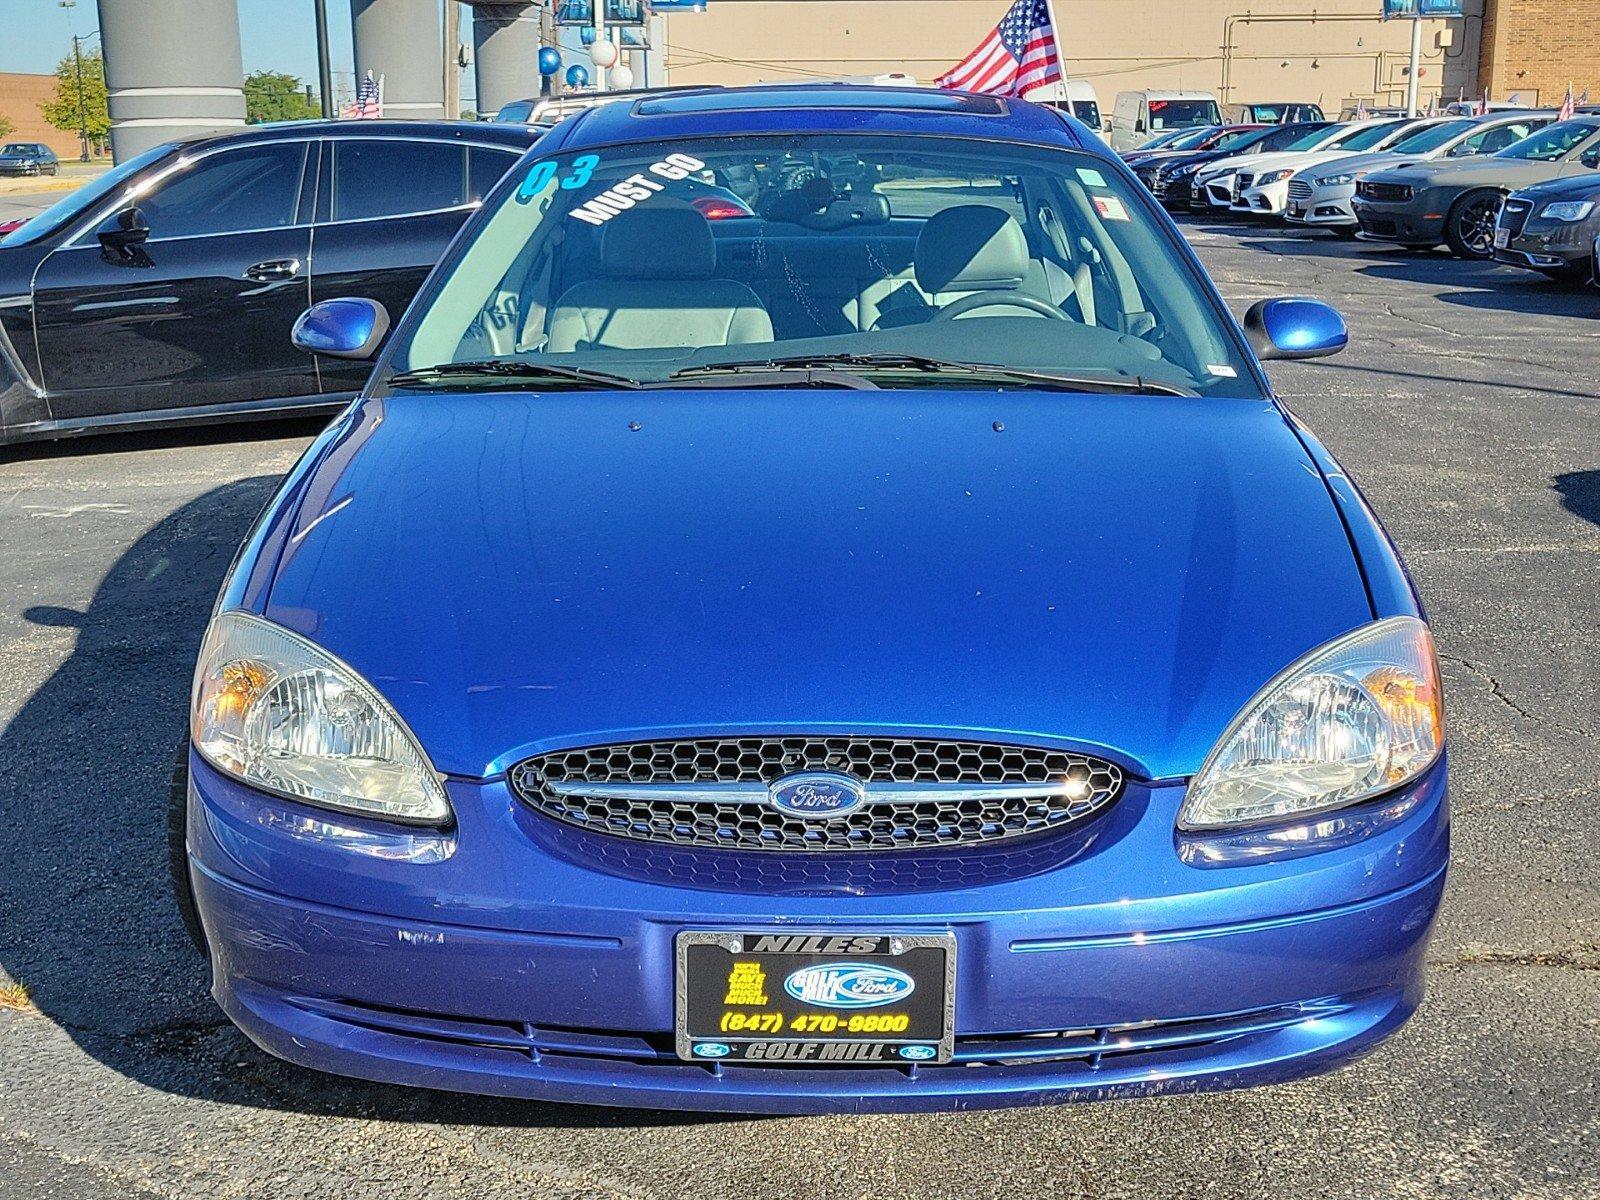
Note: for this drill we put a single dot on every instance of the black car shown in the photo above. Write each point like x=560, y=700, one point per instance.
x=1172, y=181
x=164, y=292
x=28, y=158
x=1551, y=227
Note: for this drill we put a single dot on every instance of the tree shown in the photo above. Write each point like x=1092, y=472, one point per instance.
x=5, y=127
x=84, y=108
x=275, y=96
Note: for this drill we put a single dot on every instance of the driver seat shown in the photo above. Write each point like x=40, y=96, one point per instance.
x=962, y=251
x=658, y=289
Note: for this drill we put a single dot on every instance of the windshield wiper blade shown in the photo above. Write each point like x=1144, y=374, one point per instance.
x=508, y=368
x=894, y=360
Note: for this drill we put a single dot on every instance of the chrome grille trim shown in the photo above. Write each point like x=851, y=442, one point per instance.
x=920, y=793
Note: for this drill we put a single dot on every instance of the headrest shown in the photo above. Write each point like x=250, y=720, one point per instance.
x=658, y=242
x=971, y=248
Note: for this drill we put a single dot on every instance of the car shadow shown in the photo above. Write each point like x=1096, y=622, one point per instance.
x=87, y=923
x=1580, y=494
x=1492, y=286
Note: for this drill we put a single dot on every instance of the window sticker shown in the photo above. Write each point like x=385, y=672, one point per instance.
x=544, y=173
x=635, y=189
x=1091, y=178
x=1110, y=208
x=1222, y=372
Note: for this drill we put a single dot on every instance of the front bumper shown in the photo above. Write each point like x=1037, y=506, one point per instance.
x=491, y=959
x=1566, y=248
x=1321, y=205
x=1408, y=223
x=1267, y=200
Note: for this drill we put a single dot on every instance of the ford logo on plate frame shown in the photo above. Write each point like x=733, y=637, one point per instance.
x=817, y=795
x=849, y=985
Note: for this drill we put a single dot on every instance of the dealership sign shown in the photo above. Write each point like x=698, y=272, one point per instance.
x=1421, y=8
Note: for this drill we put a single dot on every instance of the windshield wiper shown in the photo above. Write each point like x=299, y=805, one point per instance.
x=508, y=369
x=892, y=361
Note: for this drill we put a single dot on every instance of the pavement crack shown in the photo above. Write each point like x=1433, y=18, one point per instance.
x=1584, y=956
x=1494, y=685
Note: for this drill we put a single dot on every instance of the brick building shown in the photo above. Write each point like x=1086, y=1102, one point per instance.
x=1534, y=48
x=20, y=97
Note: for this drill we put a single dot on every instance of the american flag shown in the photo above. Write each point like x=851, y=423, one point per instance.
x=1568, y=106
x=369, y=101
x=1018, y=56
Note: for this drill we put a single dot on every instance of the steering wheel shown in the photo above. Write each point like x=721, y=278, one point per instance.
x=997, y=299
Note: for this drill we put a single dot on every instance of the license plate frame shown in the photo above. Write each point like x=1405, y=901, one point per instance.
x=1502, y=238
x=705, y=959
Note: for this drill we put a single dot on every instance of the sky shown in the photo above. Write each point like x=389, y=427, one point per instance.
x=277, y=35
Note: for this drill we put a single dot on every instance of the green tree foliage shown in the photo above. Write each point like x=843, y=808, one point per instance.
x=275, y=96
x=5, y=127
x=77, y=108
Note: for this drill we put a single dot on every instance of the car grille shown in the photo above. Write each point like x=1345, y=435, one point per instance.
x=919, y=793
x=1514, y=215
x=1393, y=193
x=1299, y=190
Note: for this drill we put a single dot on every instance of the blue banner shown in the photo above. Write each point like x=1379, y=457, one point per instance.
x=1421, y=8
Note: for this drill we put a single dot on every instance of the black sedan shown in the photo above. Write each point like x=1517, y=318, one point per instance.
x=164, y=292
x=1172, y=180
x=1551, y=227
x=28, y=158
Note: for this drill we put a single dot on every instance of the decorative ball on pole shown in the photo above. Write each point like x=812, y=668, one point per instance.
x=604, y=53
x=577, y=76
x=549, y=61
x=622, y=76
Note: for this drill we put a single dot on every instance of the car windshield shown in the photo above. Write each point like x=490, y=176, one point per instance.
x=1315, y=139
x=1432, y=137
x=1552, y=142
x=1184, y=114
x=86, y=197
x=643, y=262
x=1285, y=137
x=1238, y=139
x=1366, y=137
x=16, y=148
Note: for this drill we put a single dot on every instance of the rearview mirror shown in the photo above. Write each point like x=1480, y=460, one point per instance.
x=1294, y=327
x=350, y=327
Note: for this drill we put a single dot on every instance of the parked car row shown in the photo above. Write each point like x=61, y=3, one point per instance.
x=1517, y=185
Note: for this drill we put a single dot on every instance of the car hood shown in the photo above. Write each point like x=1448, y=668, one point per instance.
x=1570, y=187
x=518, y=572
x=1378, y=160
x=1484, y=169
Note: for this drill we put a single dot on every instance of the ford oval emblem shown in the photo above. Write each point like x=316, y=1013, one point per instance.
x=918, y=1053
x=816, y=795
x=712, y=1050
x=849, y=985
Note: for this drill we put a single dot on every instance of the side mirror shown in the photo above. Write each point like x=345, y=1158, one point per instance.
x=1294, y=327
x=350, y=327
x=1591, y=158
x=1138, y=126
x=129, y=231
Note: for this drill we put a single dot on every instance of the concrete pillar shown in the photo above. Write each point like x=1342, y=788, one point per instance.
x=505, y=40
x=171, y=69
x=400, y=41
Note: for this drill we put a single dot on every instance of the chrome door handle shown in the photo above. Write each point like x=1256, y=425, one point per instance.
x=278, y=268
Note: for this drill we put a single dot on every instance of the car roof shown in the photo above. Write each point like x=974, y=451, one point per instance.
x=517, y=136
x=822, y=108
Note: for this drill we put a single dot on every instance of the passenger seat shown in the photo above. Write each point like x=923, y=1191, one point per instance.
x=659, y=289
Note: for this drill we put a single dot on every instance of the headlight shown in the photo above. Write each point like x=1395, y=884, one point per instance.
x=1347, y=722
x=1567, y=210
x=1186, y=170
x=279, y=713
x=1348, y=177
x=1272, y=177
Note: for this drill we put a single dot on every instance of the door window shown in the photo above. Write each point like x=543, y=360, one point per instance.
x=393, y=178
x=484, y=169
x=253, y=187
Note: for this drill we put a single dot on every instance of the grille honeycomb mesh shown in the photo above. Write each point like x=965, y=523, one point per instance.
x=552, y=784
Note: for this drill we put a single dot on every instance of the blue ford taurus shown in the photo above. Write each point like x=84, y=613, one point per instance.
x=818, y=608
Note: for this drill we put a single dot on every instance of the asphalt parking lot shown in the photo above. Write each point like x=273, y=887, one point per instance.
x=1468, y=406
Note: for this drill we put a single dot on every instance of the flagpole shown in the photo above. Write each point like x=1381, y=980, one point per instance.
x=1061, y=53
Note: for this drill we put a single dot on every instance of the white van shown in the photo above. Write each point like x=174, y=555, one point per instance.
x=1140, y=116
x=1075, y=97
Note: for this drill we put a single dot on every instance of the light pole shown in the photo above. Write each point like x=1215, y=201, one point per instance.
x=324, y=70
x=77, y=67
